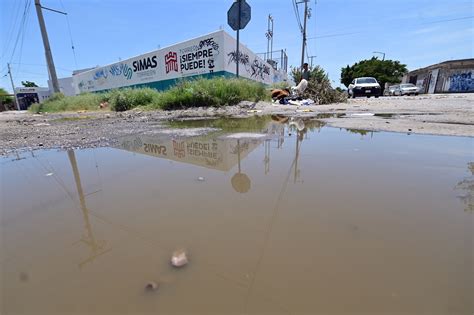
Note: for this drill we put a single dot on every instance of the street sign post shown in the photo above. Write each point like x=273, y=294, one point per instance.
x=238, y=17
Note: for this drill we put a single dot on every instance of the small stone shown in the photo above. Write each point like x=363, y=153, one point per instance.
x=40, y=144
x=179, y=259
x=152, y=286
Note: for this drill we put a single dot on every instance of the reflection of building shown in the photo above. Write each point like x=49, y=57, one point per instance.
x=451, y=76
x=220, y=152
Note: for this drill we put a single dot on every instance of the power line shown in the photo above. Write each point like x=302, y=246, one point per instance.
x=450, y=20
x=40, y=65
x=23, y=35
x=70, y=33
x=334, y=35
x=11, y=30
x=297, y=15
x=359, y=32
x=22, y=27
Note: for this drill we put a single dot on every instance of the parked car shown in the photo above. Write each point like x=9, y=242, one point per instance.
x=365, y=86
x=407, y=89
x=390, y=90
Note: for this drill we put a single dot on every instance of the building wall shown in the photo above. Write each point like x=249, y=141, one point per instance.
x=456, y=80
x=65, y=86
x=455, y=76
x=205, y=56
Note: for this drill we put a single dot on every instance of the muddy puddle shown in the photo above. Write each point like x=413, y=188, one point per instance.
x=276, y=216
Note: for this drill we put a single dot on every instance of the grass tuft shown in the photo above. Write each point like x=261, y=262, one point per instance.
x=187, y=93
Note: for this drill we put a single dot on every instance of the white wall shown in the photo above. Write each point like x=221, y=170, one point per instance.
x=251, y=66
x=65, y=86
x=203, y=55
x=197, y=56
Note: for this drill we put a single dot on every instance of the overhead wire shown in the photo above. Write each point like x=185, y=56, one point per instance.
x=11, y=30
x=21, y=28
x=23, y=34
x=70, y=34
x=297, y=15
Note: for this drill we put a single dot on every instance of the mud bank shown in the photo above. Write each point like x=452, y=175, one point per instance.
x=451, y=115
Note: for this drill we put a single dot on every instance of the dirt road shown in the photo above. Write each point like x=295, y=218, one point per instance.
x=451, y=115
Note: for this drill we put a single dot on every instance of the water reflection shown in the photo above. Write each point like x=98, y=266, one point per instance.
x=466, y=187
x=97, y=247
x=288, y=219
x=223, y=150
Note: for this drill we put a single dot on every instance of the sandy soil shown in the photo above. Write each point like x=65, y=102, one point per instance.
x=451, y=115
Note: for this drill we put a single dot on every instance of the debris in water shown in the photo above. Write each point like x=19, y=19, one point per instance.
x=201, y=179
x=179, y=259
x=49, y=174
x=152, y=286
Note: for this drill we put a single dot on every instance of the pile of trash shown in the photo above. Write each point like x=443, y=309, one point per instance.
x=292, y=96
x=311, y=92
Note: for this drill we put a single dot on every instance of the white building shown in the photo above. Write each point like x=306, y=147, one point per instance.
x=205, y=56
x=29, y=95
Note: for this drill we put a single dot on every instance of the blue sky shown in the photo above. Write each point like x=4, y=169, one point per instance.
x=340, y=32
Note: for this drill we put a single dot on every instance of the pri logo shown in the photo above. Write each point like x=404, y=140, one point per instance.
x=171, y=62
x=179, y=150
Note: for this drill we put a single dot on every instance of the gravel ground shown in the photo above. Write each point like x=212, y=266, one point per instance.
x=451, y=115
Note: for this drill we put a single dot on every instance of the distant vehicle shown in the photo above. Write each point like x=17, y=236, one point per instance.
x=407, y=89
x=390, y=90
x=365, y=86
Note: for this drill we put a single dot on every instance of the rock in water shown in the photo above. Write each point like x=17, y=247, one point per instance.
x=179, y=259
x=152, y=286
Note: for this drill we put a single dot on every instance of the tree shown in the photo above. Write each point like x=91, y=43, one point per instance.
x=316, y=73
x=28, y=84
x=385, y=71
x=6, y=101
x=5, y=98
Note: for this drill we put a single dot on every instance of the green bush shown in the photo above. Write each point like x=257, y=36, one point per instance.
x=60, y=103
x=210, y=92
x=187, y=93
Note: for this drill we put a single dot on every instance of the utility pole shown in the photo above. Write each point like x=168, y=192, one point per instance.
x=13, y=86
x=269, y=35
x=311, y=58
x=238, y=40
x=47, y=48
x=304, y=29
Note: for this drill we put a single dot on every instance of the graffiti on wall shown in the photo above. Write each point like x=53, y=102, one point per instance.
x=121, y=69
x=259, y=69
x=244, y=59
x=209, y=42
x=461, y=82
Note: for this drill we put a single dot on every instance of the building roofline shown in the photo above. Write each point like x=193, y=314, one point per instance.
x=443, y=63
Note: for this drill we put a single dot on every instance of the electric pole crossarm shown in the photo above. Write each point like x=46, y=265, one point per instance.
x=57, y=11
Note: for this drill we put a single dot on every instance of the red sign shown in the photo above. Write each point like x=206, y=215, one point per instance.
x=171, y=62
